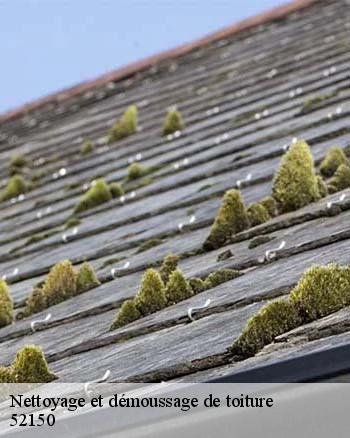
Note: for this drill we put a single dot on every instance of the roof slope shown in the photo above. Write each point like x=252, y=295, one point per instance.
x=243, y=97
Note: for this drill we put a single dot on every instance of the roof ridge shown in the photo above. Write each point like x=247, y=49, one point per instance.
x=148, y=62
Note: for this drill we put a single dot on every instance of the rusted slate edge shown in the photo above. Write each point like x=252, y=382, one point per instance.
x=139, y=66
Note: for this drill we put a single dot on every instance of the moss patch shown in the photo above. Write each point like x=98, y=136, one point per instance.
x=295, y=183
x=148, y=244
x=177, y=288
x=272, y=320
x=30, y=366
x=173, y=122
x=86, y=278
x=220, y=276
x=127, y=314
x=322, y=186
x=151, y=296
x=197, y=284
x=320, y=291
x=257, y=214
x=259, y=240
x=168, y=266
x=225, y=255
x=6, y=305
x=231, y=219
x=72, y=222
x=125, y=126
x=62, y=283
x=98, y=194
x=271, y=205
x=116, y=190
x=333, y=159
x=87, y=147
x=340, y=180
x=137, y=170
x=15, y=187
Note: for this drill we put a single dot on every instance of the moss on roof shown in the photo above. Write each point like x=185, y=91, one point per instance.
x=173, y=122
x=257, y=214
x=30, y=366
x=334, y=158
x=6, y=304
x=231, y=218
x=98, y=194
x=340, y=180
x=295, y=183
x=177, y=288
x=15, y=187
x=125, y=126
x=151, y=296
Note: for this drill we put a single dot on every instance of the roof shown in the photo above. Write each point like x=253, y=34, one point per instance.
x=242, y=94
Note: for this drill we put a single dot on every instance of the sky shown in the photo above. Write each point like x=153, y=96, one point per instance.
x=47, y=45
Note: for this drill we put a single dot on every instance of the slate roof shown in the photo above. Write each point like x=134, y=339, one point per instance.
x=241, y=94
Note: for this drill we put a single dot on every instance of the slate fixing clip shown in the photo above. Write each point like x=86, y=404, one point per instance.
x=87, y=384
x=270, y=254
x=193, y=309
x=40, y=321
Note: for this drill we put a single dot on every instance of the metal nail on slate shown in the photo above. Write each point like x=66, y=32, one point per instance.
x=271, y=253
x=193, y=309
x=40, y=321
x=341, y=199
x=65, y=236
x=246, y=179
x=103, y=379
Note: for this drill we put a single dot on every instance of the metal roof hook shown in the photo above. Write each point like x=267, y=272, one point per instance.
x=40, y=321
x=103, y=379
x=271, y=253
x=193, y=309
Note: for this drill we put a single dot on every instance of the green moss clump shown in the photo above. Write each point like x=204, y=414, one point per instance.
x=17, y=163
x=173, y=122
x=197, y=285
x=116, y=190
x=36, y=302
x=148, y=244
x=333, y=159
x=259, y=240
x=177, y=288
x=125, y=126
x=6, y=305
x=72, y=222
x=151, y=296
x=271, y=205
x=86, y=278
x=257, y=214
x=322, y=186
x=340, y=180
x=15, y=187
x=295, y=183
x=272, y=320
x=220, y=276
x=61, y=283
x=232, y=218
x=127, y=314
x=136, y=170
x=322, y=290
x=98, y=194
x=87, y=147
x=168, y=266
x=6, y=375
x=30, y=366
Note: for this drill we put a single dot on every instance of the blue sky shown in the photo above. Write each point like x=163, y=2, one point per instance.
x=46, y=45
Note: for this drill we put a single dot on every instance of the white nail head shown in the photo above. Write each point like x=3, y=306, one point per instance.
x=193, y=309
x=122, y=199
x=132, y=195
x=192, y=219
